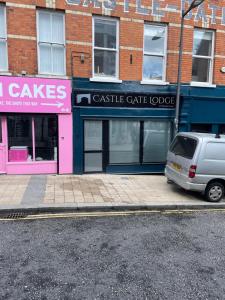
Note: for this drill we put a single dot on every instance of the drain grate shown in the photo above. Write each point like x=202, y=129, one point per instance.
x=16, y=215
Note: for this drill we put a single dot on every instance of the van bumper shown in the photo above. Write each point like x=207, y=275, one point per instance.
x=183, y=181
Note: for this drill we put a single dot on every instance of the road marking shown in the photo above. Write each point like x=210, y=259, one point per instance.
x=109, y=214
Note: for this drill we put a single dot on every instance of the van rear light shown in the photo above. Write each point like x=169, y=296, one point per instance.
x=192, y=171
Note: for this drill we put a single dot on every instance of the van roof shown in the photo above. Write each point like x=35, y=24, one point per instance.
x=198, y=135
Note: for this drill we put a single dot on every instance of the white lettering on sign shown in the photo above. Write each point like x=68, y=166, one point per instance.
x=159, y=8
x=12, y=92
x=35, y=91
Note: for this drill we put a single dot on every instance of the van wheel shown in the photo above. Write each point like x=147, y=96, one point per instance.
x=169, y=181
x=214, y=191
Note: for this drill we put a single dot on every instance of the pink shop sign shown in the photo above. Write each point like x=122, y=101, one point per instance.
x=34, y=95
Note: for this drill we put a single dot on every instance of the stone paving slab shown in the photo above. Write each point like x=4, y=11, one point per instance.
x=96, y=190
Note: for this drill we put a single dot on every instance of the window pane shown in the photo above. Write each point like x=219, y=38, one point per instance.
x=2, y=23
x=105, y=33
x=58, y=28
x=44, y=27
x=105, y=63
x=92, y=135
x=200, y=69
x=93, y=162
x=184, y=146
x=202, y=43
x=124, y=140
x=46, y=137
x=45, y=58
x=154, y=39
x=58, y=59
x=153, y=68
x=3, y=56
x=157, y=136
x=20, y=138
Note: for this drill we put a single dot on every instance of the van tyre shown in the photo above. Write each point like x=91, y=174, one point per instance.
x=214, y=191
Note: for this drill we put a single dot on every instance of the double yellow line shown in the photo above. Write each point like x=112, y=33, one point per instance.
x=108, y=214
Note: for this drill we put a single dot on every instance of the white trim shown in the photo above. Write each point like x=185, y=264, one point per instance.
x=210, y=58
x=50, y=43
x=202, y=84
x=5, y=73
x=18, y=5
x=22, y=37
x=103, y=78
x=51, y=76
x=154, y=82
x=4, y=38
x=164, y=55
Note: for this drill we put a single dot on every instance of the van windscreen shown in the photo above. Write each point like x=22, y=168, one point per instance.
x=184, y=146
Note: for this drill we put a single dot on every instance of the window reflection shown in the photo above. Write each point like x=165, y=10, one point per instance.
x=124, y=140
x=20, y=138
x=157, y=137
x=45, y=138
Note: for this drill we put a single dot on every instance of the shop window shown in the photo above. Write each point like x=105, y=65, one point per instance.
x=157, y=137
x=202, y=64
x=106, y=49
x=32, y=138
x=51, y=43
x=20, y=138
x=3, y=40
x=45, y=138
x=205, y=128
x=124, y=141
x=154, y=61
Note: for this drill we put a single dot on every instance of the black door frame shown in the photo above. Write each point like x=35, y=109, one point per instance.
x=105, y=146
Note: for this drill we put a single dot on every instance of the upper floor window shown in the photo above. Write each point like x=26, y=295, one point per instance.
x=3, y=40
x=202, y=64
x=106, y=48
x=51, y=43
x=154, y=61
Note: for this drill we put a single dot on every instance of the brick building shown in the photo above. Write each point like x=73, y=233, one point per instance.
x=122, y=59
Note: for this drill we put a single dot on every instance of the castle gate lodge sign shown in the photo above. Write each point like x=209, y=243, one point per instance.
x=159, y=8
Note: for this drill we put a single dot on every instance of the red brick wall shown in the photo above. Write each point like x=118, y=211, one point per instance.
x=22, y=44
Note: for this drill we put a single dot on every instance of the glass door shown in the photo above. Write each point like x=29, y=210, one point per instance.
x=2, y=145
x=93, y=146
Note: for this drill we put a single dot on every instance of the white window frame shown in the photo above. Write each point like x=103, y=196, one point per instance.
x=211, y=58
x=51, y=44
x=105, y=78
x=164, y=56
x=4, y=39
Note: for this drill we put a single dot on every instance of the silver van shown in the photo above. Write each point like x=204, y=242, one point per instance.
x=196, y=162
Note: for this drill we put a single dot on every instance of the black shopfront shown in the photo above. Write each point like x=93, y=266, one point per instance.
x=121, y=131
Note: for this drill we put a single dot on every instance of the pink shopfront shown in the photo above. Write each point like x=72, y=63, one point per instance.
x=35, y=126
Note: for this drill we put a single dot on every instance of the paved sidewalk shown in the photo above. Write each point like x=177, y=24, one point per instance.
x=98, y=190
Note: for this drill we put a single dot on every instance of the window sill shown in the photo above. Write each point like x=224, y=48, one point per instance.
x=202, y=84
x=5, y=73
x=100, y=79
x=52, y=76
x=154, y=82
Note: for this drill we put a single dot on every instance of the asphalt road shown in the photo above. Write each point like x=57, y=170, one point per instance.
x=151, y=256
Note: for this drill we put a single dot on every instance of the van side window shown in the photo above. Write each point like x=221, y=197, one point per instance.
x=215, y=151
x=184, y=146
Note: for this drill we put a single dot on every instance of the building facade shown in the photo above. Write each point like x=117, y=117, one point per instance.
x=122, y=59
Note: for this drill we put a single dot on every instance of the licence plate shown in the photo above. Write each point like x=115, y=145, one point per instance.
x=176, y=166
